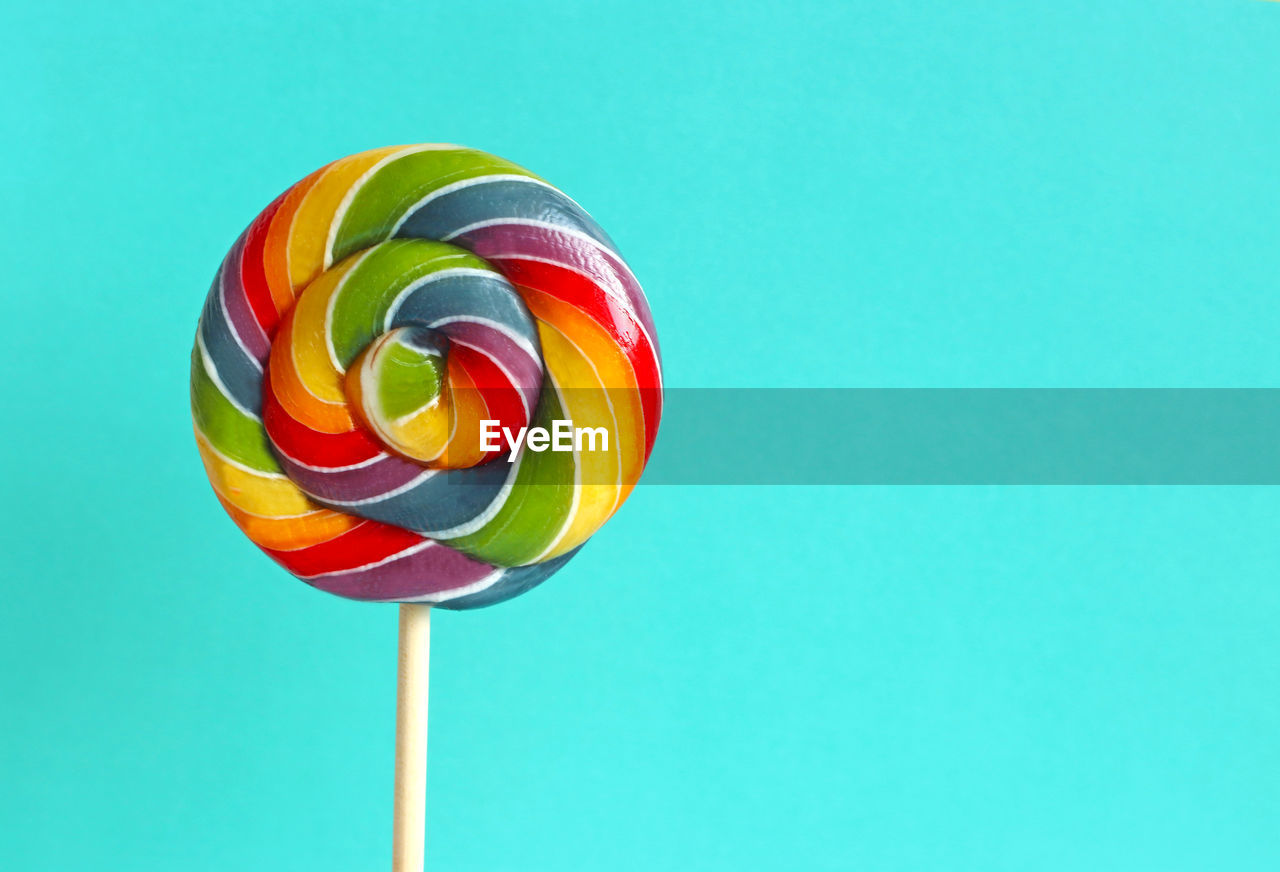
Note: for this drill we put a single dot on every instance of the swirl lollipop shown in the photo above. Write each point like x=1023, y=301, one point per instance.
x=374, y=350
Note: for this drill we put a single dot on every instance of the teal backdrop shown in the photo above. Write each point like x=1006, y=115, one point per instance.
x=871, y=194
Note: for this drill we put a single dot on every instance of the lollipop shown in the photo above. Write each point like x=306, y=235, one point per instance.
x=374, y=351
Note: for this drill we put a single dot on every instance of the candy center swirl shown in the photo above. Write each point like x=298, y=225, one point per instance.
x=419, y=342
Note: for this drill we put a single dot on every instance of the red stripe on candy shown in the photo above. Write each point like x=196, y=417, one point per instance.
x=311, y=447
x=614, y=318
x=368, y=542
x=493, y=386
x=253, y=273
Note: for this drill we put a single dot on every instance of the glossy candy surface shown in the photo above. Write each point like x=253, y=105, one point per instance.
x=357, y=334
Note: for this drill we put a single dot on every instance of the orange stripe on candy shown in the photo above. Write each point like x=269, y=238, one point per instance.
x=613, y=371
x=275, y=249
x=293, y=395
x=288, y=534
x=467, y=409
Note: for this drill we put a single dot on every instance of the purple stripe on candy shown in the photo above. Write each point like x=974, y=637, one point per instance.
x=601, y=265
x=432, y=569
x=243, y=322
x=362, y=483
x=525, y=371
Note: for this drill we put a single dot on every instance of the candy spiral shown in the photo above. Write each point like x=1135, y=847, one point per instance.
x=363, y=326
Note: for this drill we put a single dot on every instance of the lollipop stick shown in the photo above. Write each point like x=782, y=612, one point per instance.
x=411, y=738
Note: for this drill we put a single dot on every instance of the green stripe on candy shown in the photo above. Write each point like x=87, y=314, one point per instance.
x=408, y=379
x=367, y=292
x=390, y=192
x=538, y=505
x=230, y=431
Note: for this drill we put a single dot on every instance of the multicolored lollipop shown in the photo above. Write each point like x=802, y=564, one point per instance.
x=376, y=348
x=362, y=329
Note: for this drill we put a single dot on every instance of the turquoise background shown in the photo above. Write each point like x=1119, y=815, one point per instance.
x=930, y=193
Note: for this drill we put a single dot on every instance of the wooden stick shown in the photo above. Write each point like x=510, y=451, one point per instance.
x=409, y=837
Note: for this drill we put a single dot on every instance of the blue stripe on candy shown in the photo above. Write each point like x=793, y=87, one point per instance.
x=441, y=501
x=513, y=582
x=237, y=371
x=516, y=199
x=468, y=296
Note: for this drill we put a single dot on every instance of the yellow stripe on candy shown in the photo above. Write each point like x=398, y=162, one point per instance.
x=313, y=222
x=254, y=492
x=428, y=427
x=264, y=509
x=294, y=396
x=310, y=346
x=610, y=368
x=585, y=404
